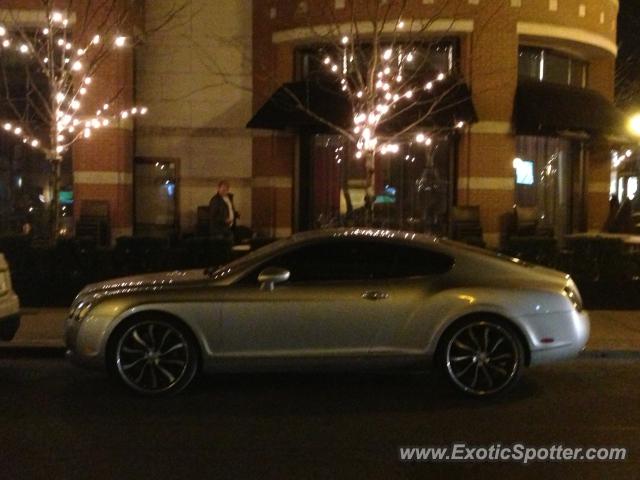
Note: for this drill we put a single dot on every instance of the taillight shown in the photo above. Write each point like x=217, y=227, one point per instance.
x=574, y=297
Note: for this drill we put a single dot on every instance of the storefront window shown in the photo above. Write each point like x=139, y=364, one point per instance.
x=625, y=170
x=412, y=187
x=549, y=177
x=409, y=186
x=556, y=68
x=429, y=59
x=529, y=63
x=546, y=65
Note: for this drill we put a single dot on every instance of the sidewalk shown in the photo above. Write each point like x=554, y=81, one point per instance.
x=613, y=333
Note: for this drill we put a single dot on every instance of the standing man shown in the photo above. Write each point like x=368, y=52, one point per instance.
x=222, y=214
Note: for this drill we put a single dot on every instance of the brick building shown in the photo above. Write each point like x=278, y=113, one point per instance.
x=534, y=68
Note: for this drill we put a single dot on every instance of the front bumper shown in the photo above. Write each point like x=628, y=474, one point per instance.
x=80, y=350
x=559, y=336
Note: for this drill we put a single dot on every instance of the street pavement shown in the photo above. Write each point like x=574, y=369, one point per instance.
x=60, y=422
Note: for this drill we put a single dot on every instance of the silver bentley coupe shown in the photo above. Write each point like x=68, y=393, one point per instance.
x=341, y=298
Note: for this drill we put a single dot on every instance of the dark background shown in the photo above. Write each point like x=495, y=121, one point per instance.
x=629, y=55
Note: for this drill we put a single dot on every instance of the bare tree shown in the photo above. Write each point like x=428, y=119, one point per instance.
x=385, y=71
x=48, y=59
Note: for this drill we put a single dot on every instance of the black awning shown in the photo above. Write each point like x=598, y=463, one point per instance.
x=305, y=104
x=291, y=106
x=546, y=108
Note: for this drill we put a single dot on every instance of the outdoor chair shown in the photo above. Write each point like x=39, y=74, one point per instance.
x=526, y=223
x=466, y=226
x=93, y=222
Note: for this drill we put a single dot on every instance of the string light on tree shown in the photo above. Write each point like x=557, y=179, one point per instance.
x=69, y=79
x=64, y=106
x=391, y=86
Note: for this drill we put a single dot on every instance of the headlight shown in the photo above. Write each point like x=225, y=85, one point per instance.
x=574, y=297
x=80, y=311
x=84, y=311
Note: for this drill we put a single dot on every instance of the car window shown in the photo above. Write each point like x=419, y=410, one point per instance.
x=419, y=262
x=355, y=260
x=337, y=261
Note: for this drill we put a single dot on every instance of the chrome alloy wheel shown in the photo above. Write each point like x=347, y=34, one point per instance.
x=483, y=358
x=154, y=357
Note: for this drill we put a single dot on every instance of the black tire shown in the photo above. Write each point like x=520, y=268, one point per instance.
x=153, y=354
x=481, y=356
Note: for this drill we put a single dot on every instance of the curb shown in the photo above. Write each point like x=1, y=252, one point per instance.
x=611, y=354
x=31, y=351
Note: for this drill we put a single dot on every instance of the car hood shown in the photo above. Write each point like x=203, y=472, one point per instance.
x=149, y=281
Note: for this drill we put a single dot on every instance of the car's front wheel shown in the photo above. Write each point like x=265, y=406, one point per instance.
x=153, y=355
x=481, y=356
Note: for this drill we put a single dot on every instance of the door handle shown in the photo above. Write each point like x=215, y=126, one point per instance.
x=374, y=295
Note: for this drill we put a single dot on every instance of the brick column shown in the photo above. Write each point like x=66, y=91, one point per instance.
x=485, y=164
x=273, y=153
x=601, y=79
x=103, y=164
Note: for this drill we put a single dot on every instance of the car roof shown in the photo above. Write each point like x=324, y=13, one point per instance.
x=331, y=233
x=363, y=233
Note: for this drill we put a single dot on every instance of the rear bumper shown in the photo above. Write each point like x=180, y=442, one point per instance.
x=570, y=334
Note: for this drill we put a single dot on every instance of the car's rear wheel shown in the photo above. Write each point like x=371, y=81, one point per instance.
x=154, y=355
x=482, y=356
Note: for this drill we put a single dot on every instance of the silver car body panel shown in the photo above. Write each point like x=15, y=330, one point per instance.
x=240, y=326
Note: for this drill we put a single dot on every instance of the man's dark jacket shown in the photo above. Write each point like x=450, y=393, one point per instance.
x=218, y=214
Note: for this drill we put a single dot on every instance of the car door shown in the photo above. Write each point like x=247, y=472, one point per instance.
x=333, y=304
x=417, y=275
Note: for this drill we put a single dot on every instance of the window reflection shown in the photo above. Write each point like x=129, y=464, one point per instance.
x=624, y=177
x=428, y=59
x=556, y=189
x=155, y=197
x=546, y=65
x=411, y=186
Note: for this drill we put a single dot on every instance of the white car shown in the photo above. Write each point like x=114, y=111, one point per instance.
x=333, y=298
x=9, y=304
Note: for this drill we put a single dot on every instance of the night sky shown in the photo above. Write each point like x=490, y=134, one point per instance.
x=629, y=55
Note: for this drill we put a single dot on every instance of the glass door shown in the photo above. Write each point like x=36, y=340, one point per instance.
x=549, y=176
x=155, y=192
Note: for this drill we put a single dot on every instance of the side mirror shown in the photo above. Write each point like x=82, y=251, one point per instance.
x=272, y=275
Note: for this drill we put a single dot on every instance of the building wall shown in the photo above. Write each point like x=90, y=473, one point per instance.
x=489, y=56
x=195, y=77
x=204, y=74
